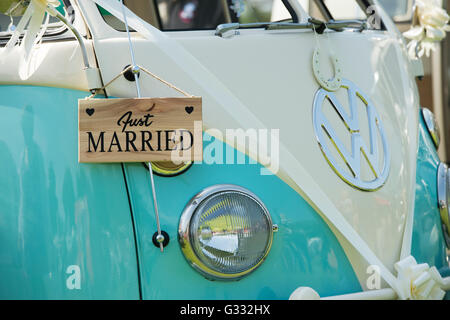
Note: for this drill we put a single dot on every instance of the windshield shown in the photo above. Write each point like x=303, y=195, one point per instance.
x=180, y=15
x=207, y=14
x=399, y=10
x=172, y=15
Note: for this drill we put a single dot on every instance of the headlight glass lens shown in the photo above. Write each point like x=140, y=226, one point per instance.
x=230, y=232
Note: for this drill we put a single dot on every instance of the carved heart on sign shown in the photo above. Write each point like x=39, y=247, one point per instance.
x=90, y=111
x=189, y=109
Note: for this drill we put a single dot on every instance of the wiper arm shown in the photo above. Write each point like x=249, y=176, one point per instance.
x=342, y=24
x=312, y=23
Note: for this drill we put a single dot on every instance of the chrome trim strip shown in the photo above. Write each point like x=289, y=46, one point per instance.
x=442, y=185
x=443, y=193
x=432, y=126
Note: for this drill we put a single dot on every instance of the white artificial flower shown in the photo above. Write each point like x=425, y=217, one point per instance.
x=45, y=3
x=415, y=33
x=54, y=3
x=428, y=45
x=418, y=281
x=431, y=24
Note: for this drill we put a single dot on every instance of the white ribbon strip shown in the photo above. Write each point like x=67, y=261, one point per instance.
x=31, y=21
x=20, y=27
x=414, y=282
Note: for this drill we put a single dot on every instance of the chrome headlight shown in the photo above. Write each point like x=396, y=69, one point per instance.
x=432, y=126
x=169, y=169
x=225, y=232
x=443, y=183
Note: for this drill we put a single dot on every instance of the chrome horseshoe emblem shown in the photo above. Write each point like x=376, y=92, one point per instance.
x=331, y=84
x=347, y=163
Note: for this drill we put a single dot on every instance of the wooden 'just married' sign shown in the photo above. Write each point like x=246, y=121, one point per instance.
x=140, y=130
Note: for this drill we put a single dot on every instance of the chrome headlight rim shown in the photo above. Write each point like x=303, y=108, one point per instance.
x=443, y=185
x=160, y=169
x=184, y=236
x=432, y=126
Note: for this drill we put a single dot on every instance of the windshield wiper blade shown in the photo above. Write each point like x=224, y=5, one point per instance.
x=312, y=23
x=226, y=27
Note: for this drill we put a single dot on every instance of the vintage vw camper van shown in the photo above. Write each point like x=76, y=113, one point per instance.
x=317, y=176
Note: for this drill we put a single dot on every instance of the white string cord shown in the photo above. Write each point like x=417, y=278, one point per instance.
x=135, y=70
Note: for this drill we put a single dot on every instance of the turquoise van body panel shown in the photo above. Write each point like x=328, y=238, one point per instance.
x=56, y=213
x=57, y=216
x=304, y=251
x=428, y=243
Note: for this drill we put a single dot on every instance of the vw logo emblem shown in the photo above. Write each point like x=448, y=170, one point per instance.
x=373, y=158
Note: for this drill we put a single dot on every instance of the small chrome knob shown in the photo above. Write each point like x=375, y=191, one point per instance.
x=135, y=69
x=159, y=239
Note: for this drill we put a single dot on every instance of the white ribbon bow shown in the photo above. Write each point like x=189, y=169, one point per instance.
x=429, y=27
x=418, y=281
x=414, y=282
